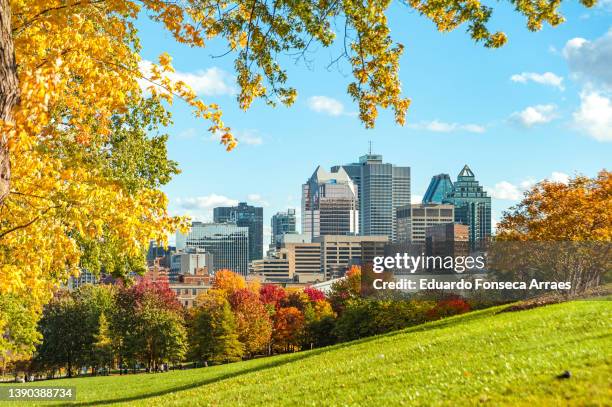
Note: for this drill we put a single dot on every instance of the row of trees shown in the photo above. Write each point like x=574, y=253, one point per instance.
x=97, y=328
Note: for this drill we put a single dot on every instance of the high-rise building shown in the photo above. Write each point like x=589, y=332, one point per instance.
x=227, y=242
x=283, y=222
x=337, y=252
x=472, y=207
x=412, y=220
x=248, y=216
x=439, y=188
x=382, y=188
x=447, y=239
x=329, y=204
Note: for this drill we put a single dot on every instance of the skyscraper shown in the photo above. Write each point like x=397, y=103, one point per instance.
x=472, y=207
x=227, y=242
x=382, y=188
x=283, y=222
x=439, y=188
x=248, y=216
x=329, y=204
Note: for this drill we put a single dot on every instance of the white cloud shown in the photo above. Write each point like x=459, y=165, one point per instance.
x=546, y=78
x=256, y=199
x=590, y=61
x=327, y=105
x=200, y=208
x=187, y=133
x=442, y=127
x=416, y=199
x=205, y=202
x=209, y=82
x=505, y=190
x=532, y=115
x=594, y=115
x=559, y=177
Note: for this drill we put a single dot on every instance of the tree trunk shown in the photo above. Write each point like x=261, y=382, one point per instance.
x=9, y=92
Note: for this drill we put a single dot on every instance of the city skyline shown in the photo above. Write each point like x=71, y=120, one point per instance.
x=514, y=119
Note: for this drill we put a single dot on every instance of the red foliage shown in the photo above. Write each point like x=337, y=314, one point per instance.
x=314, y=294
x=272, y=294
x=288, y=326
x=158, y=291
x=449, y=306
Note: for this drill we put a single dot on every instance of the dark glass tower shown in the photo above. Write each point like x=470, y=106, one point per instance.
x=283, y=222
x=245, y=216
x=439, y=188
x=472, y=207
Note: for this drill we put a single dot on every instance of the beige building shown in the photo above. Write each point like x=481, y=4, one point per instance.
x=295, y=259
x=337, y=252
x=186, y=293
x=413, y=220
x=298, y=260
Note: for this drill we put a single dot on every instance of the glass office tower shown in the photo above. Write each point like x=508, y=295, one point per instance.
x=283, y=222
x=472, y=207
x=439, y=188
x=247, y=216
x=227, y=242
x=382, y=188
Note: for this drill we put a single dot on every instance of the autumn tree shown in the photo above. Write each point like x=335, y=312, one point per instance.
x=228, y=281
x=287, y=331
x=148, y=325
x=103, y=345
x=252, y=320
x=580, y=210
x=272, y=296
x=346, y=289
x=212, y=335
x=558, y=232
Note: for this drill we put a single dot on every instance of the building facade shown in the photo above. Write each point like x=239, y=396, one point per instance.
x=295, y=259
x=226, y=242
x=439, y=188
x=382, y=188
x=282, y=223
x=329, y=204
x=472, y=207
x=448, y=239
x=412, y=220
x=190, y=262
x=338, y=252
x=247, y=216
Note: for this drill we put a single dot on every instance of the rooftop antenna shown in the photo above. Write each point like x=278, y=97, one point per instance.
x=370, y=153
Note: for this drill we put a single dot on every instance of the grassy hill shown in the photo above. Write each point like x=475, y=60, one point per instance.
x=509, y=358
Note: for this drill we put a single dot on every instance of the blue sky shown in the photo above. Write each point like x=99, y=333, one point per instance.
x=540, y=107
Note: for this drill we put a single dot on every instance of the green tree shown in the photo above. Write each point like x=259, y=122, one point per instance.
x=104, y=344
x=213, y=335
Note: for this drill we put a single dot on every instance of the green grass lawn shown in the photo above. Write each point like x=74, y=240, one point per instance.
x=484, y=357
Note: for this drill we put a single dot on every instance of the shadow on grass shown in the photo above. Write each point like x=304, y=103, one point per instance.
x=293, y=358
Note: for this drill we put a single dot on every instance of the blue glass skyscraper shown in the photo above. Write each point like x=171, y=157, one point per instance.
x=472, y=207
x=439, y=188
